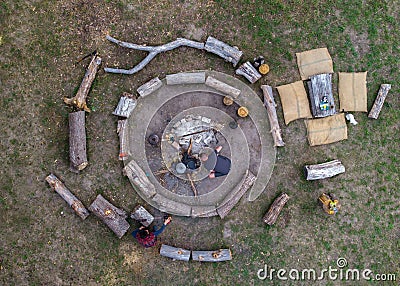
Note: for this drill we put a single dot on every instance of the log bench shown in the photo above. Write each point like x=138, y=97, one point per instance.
x=149, y=87
x=320, y=88
x=175, y=253
x=212, y=255
x=140, y=214
x=275, y=209
x=138, y=177
x=324, y=170
x=230, y=54
x=186, y=78
x=222, y=87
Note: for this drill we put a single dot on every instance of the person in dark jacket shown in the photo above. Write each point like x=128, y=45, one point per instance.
x=148, y=238
x=222, y=163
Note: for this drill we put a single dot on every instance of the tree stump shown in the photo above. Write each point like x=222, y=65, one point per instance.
x=270, y=104
x=249, y=72
x=71, y=200
x=175, y=253
x=79, y=100
x=275, y=209
x=140, y=214
x=112, y=216
x=324, y=170
x=380, y=99
x=212, y=255
x=126, y=105
x=230, y=54
x=77, y=141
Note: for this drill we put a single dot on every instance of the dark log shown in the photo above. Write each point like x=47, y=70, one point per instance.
x=319, y=87
x=149, y=87
x=71, y=200
x=270, y=104
x=223, y=87
x=153, y=51
x=275, y=209
x=123, y=145
x=324, y=170
x=79, y=100
x=230, y=54
x=249, y=72
x=212, y=255
x=175, y=253
x=112, y=216
x=138, y=177
x=126, y=105
x=77, y=141
x=140, y=214
x=380, y=99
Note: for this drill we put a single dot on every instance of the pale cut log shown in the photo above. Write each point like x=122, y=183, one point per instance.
x=140, y=214
x=79, y=100
x=71, y=200
x=152, y=50
x=270, y=104
x=275, y=209
x=186, y=78
x=112, y=216
x=138, y=177
x=212, y=255
x=123, y=145
x=126, y=105
x=230, y=54
x=222, y=87
x=149, y=87
x=224, y=209
x=380, y=99
x=175, y=253
x=249, y=72
x=324, y=170
x=77, y=141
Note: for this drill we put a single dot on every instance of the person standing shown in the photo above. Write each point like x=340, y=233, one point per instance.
x=148, y=238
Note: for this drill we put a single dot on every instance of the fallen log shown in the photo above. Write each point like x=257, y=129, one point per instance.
x=123, y=148
x=175, y=253
x=222, y=87
x=380, y=99
x=71, y=200
x=212, y=255
x=112, y=216
x=230, y=54
x=249, y=72
x=270, y=104
x=186, y=78
x=79, y=100
x=324, y=170
x=126, y=105
x=77, y=141
x=149, y=87
x=275, y=209
x=153, y=51
x=139, y=178
x=140, y=214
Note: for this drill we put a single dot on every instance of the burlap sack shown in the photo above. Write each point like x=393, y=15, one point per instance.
x=326, y=130
x=294, y=100
x=314, y=62
x=353, y=91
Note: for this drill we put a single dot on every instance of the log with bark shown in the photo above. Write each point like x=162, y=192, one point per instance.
x=112, y=216
x=186, y=78
x=77, y=141
x=222, y=87
x=175, y=253
x=126, y=105
x=149, y=87
x=212, y=255
x=275, y=209
x=380, y=99
x=140, y=214
x=79, y=100
x=320, y=88
x=249, y=72
x=139, y=179
x=123, y=145
x=270, y=104
x=71, y=200
x=324, y=170
x=230, y=54
x=152, y=50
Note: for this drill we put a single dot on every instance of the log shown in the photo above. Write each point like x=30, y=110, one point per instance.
x=324, y=170
x=77, y=141
x=175, y=253
x=71, y=200
x=186, y=78
x=123, y=145
x=380, y=99
x=79, y=100
x=212, y=255
x=270, y=104
x=112, y=216
x=230, y=54
x=152, y=50
x=149, y=87
x=320, y=87
x=126, y=105
x=138, y=177
x=222, y=87
x=140, y=214
x=275, y=209
x=248, y=71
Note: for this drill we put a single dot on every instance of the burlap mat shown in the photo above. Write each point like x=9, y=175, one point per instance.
x=326, y=130
x=314, y=62
x=294, y=100
x=353, y=91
